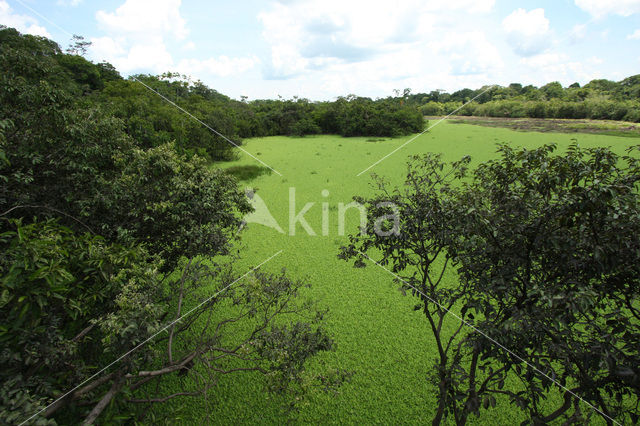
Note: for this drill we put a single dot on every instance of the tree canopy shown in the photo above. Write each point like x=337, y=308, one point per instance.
x=546, y=251
x=110, y=235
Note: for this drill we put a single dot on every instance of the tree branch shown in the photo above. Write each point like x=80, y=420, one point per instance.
x=171, y=329
x=166, y=370
x=106, y=399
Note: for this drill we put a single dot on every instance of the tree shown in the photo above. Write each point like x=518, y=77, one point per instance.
x=78, y=46
x=173, y=204
x=602, y=85
x=516, y=88
x=629, y=88
x=415, y=249
x=82, y=71
x=552, y=90
x=547, y=254
x=151, y=121
x=73, y=303
x=550, y=252
x=104, y=243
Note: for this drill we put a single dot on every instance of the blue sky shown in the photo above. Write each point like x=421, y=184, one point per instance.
x=321, y=49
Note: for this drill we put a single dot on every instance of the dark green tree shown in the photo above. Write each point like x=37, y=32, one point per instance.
x=546, y=251
x=104, y=242
x=552, y=90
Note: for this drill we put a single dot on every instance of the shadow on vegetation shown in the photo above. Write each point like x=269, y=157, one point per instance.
x=248, y=172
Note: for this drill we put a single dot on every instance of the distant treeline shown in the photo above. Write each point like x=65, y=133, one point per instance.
x=152, y=121
x=599, y=99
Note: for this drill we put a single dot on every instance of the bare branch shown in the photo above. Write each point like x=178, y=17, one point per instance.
x=106, y=399
x=166, y=370
x=171, y=329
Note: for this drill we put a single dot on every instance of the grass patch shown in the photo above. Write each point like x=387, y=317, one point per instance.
x=379, y=337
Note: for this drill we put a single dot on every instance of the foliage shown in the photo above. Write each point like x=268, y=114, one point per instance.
x=62, y=148
x=427, y=211
x=347, y=116
x=57, y=287
x=546, y=251
x=93, y=224
x=551, y=253
x=73, y=303
x=78, y=164
x=386, y=117
x=599, y=99
x=83, y=72
x=79, y=46
x=176, y=206
x=153, y=121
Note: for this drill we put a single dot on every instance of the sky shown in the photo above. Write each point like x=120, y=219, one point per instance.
x=321, y=49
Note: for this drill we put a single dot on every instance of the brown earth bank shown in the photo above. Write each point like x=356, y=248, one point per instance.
x=605, y=127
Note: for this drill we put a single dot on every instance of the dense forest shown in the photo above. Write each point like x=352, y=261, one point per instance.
x=598, y=99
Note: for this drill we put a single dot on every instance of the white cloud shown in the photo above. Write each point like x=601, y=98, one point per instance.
x=107, y=48
x=23, y=23
x=634, y=36
x=600, y=8
x=219, y=67
x=470, y=6
x=144, y=18
x=148, y=54
x=544, y=60
x=136, y=39
x=136, y=34
x=527, y=32
x=470, y=53
x=321, y=49
x=72, y=3
x=578, y=32
x=308, y=35
x=546, y=67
